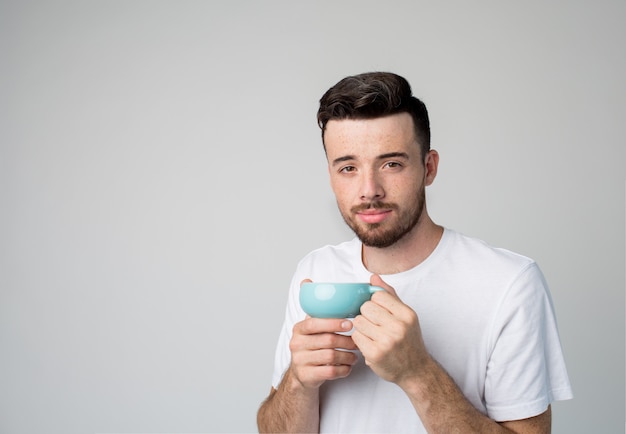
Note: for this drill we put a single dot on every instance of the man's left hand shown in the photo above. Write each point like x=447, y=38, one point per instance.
x=388, y=334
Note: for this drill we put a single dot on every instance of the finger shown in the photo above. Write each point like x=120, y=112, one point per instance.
x=332, y=358
x=376, y=312
x=364, y=329
x=376, y=280
x=311, y=326
x=305, y=281
x=322, y=342
x=312, y=368
x=361, y=340
x=304, y=340
x=323, y=356
x=388, y=298
x=316, y=375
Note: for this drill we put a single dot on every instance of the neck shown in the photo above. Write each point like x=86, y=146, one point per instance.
x=405, y=254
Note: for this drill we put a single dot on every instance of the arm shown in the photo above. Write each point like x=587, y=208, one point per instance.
x=389, y=336
x=294, y=406
x=291, y=408
x=443, y=408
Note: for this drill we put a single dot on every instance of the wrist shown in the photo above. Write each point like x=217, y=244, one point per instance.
x=421, y=382
x=294, y=386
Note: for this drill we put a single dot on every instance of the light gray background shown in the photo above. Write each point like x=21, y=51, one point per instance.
x=161, y=174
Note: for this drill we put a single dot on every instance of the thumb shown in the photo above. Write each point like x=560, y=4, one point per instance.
x=376, y=280
x=306, y=281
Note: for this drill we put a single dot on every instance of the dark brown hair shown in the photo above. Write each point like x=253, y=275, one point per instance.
x=373, y=95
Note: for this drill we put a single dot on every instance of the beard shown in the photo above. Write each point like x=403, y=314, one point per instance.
x=377, y=234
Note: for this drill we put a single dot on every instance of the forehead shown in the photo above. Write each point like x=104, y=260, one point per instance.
x=370, y=136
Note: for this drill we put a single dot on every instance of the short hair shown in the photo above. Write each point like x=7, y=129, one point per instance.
x=373, y=95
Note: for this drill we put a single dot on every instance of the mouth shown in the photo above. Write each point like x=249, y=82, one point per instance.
x=372, y=216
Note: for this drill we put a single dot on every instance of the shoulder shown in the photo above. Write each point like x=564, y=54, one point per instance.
x=478, y=253
x=509, y=278
x=488, y=270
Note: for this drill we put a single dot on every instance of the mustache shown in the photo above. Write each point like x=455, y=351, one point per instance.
x=373, y=205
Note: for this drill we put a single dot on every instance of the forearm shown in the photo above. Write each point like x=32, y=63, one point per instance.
x=443, y=408
x=291, y=408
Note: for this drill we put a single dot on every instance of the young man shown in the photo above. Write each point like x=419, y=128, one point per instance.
x=464, y=339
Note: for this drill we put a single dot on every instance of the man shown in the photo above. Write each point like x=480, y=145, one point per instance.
x=464, y=339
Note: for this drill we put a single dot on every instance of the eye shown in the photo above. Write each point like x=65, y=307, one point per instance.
x=347, y=169
x=392, y=165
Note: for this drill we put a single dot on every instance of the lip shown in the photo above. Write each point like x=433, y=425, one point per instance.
x=373, y=215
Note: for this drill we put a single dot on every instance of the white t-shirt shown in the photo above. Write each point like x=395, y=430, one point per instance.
x=486, y=316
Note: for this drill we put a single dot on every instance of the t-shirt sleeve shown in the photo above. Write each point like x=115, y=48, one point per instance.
x=526, y=369
x=293, y=314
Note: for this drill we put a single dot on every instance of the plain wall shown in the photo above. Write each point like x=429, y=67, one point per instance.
x=161, y=174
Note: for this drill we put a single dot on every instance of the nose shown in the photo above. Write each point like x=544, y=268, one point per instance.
x=371, y=188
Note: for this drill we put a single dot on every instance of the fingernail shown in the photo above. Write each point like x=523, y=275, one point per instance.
x=346, y=325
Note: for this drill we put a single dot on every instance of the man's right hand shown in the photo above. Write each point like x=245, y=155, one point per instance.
x=318, y=352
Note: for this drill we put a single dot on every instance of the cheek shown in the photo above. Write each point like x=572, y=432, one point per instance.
x=343, y=197
x=340, y=187
x=411, y=184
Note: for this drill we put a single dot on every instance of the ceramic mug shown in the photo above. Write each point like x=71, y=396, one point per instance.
x=335, y=300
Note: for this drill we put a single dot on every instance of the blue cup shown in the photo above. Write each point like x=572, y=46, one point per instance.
x=335, y=300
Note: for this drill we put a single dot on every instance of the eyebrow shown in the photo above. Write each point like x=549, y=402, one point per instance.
x=403, y=155
x=342, y=159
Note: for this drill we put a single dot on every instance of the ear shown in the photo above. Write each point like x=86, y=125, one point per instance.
x=431, y=163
